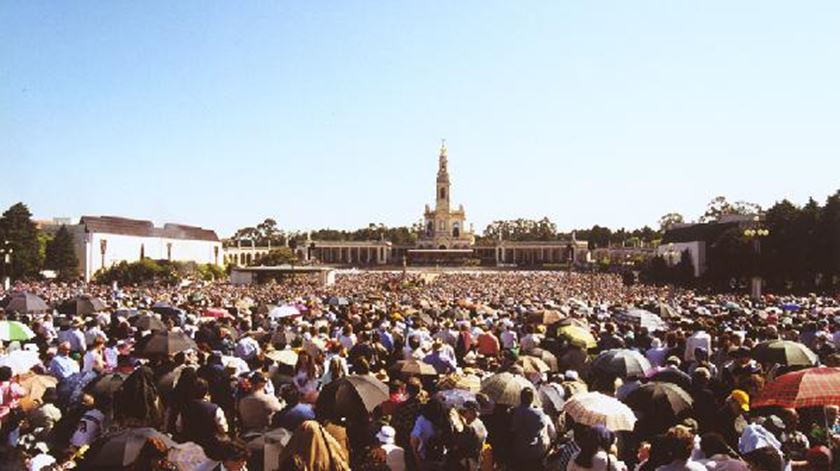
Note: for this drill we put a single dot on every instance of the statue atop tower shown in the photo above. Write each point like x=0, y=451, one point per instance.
x=443, y=227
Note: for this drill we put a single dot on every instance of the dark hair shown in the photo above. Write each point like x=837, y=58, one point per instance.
x=526, y=396
x=233, y=450
x=201, y=388
x=5, y=373
x=591, y=441
x=713, y=443
x=680, y=442
x=765, y=459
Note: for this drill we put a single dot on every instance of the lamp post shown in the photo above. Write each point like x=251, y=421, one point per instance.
x=7, y=251
x=103, y=247
x=755, y=233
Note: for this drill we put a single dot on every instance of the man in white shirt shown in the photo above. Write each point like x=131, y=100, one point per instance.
x=394, y=455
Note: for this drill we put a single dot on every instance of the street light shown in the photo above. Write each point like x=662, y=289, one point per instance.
x=7, y=251
x=755, y=233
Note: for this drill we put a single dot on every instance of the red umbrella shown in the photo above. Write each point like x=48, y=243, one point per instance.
x=804, y=388
x=216, y=312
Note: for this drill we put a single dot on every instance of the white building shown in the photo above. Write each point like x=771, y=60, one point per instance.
x=102, y=241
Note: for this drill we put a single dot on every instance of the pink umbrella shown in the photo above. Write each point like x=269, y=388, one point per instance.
x=216, y=312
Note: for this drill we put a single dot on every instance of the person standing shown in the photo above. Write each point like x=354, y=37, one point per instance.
x=532, y=432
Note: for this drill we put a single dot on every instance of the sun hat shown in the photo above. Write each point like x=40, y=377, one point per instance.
x=386, y=435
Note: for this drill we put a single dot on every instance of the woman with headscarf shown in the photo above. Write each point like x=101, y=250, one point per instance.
x=312, y=448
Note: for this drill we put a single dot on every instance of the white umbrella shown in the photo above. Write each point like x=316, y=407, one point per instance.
x=284, y=311
x=20, y=361
x=594, y=408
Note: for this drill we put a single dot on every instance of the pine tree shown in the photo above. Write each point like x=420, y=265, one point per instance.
x=20, y=234
x=61, y=256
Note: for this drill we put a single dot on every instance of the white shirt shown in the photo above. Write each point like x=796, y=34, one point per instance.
x=508, y=339
x=697, y=339
x=394, y=457
x=93, y=361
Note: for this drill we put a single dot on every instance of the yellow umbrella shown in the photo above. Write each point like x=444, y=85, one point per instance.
x=579, y=335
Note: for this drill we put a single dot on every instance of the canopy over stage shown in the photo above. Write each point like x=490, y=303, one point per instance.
x=250, y=275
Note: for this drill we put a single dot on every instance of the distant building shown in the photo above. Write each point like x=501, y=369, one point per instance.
x=696, y=239
x=102, y=241
x=445, y=240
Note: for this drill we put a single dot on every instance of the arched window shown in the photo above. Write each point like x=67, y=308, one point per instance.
x=430, y=227
x=456, y=230
x=442, y=193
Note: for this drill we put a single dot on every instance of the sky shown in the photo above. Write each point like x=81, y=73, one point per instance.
x=330, y=113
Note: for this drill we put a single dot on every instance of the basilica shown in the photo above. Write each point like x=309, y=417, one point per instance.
x=445, y=239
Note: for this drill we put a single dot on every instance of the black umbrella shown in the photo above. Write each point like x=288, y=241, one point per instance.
x=107, y=385
x=83, y=305
x=621, y=363
x=674, y=376
x=119, y=449
x=166, y=309
x=785, y=352
x=25, y=303
x=148, y=322
x=351, y=396
x=659, y=405
x=165, y=343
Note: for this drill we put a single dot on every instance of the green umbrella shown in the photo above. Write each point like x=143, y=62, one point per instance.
x=14, y=330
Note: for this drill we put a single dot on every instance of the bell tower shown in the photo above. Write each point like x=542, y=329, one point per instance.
x=442, y=180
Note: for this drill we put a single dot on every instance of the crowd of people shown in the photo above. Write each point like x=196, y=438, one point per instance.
x=417, y=371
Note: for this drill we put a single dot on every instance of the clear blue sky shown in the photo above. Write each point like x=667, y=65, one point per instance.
x=330, y=113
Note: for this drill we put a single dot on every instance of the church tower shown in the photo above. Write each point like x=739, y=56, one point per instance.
x=443, y=227
x=442, y=180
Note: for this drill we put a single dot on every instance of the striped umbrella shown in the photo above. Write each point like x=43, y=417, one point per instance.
x=594, y=408
x=804, y=388
x=14, y=330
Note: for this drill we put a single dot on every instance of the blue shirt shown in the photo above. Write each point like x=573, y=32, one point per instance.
x=63, y=366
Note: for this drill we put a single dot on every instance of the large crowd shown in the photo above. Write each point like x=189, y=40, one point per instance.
x=418, y=371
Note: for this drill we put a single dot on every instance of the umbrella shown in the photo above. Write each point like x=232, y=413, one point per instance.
x=621, y=363
x=121, y=448
x=35, y=386
x=660, y=404
x=673, y=376
x=126, y=313
x=25, y=303
x=549, y=358
x=166, y=309
x=804, y=388
x=14, y=330
x=106, y=385
x=83, y=305
x=552, y=395
x=216, y=313
x=785, y=352
x=414, y=367
x=283, y=337
x=594, y=408
x=467, y=382
x=455, y=397
x=793, y=307
x=533, y=365
x=20, y=361
x=165, y=343
x=504, y=388
x=283, y=312
x=148, y=322
x=284, y=357
x=351, y=395
x=71, y=388
x=642, y=318
x=578, y=335
x=551, y=316
x=336, y=301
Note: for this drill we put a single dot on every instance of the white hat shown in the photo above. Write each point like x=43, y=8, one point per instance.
x=386, y=435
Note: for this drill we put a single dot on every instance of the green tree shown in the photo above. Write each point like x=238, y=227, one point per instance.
x=61, y=256
x=670, y=220
x=279, y=256
x=21, y=236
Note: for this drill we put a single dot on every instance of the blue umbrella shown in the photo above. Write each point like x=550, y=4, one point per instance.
x=71, y=388
x=790, y=307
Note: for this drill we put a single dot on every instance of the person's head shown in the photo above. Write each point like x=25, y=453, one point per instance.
x=526, y=397
x=681, y=442
x=713, y=443
x=201, y=388
x=258, y=381
x=413, y=387
x=819, y=458
x=470, y=411
x=591, y=441
x=64, y=348
x=5, y=373
x=396, y=387
x=386, y=435
x=765, y=459
x=831, y=414
x=234, y=455
x=738, y=401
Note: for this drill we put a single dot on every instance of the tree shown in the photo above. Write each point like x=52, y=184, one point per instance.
x=720, y=206
x=21, y=235
x=670, y=220
x=279, y=256
x=61, y=256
